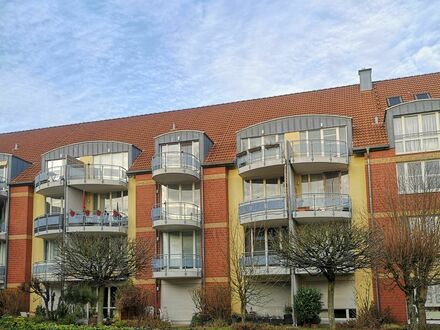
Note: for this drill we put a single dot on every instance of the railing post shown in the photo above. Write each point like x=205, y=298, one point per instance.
x=314, y=204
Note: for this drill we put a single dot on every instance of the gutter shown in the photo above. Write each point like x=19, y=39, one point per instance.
x=362, y=150
x=370, y=199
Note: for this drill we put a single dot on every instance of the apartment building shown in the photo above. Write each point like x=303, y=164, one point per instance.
x=199, y=181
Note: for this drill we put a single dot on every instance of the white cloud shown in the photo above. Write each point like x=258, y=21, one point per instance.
x=88, y=60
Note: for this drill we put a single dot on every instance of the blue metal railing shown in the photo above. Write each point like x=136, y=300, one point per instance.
x=176, y=262
x=176, y=211
x=175, y=160
x=322, y=202
x=260, y=155
x=319, y=148
x=265, y=208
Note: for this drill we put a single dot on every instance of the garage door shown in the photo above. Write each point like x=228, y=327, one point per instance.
x=344, y=290
x=273, y=299
x=176, y=301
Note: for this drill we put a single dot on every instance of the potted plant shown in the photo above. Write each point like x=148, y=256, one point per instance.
x=308, y=305
x=87, y=213
x=288, y=319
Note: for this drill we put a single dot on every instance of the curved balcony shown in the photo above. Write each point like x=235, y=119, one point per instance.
x=309, y=208
x=177, y=266
x=3, y=188
x=317, y=156
x=263, y=263
x=262, y=161
x=175, y=216
x=50, y=182
x=97, y=178
x=51, y=225
x=175, y=167
x=271, y=211
x=92, y=178
x=45, y=271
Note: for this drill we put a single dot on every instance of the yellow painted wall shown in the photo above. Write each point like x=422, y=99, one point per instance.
x=358, y=194
x=131, y=208
x=39, y=208
x=236, y=234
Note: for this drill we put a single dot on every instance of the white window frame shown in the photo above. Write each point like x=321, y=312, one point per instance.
x=402, y=190
x=419, y=137
x=280, y=189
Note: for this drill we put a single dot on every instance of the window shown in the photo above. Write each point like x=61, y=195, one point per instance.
x=416, y=133
x=258, y=141
x=117, y=200
x=55, y=169
x=325, y=142
x=117, y=159
x=109, y=307
x=259, y=243
x=422, y=96
x=180, y=249
x=328, y=183
x=2, y=253
x=263, y=188
x=394, y=100
x=173, y=150
x=418, y=177
x=50, y=250
x=54, y=205
x=187, y=193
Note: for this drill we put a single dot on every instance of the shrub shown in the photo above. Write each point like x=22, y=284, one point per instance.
x=12, y=301
x=308, y=305
x=246, y=326
x=132, y=301
x=368, y=317
x=212, y=303
x=144, y=323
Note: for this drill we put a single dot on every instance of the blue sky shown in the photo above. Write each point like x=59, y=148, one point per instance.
x=72, y=61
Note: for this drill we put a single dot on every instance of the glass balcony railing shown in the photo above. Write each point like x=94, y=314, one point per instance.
x=3, y=184
x=261, y=259
x=44, y=269
x=263, y=209
x=176, y=262
x=176, y=212
x=86, y=173
x=103, y=220
x=260, y=156
x=170, y=161
x=316, y=150
x=2, y=272
x=322, y=202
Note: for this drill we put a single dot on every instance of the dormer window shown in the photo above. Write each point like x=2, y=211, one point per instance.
x=394, y=100
x=422, y=96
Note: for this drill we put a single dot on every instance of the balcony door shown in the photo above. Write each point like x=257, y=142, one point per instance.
x=180, y=202
x=179, y=154
x=323, y=142
x=180, y=250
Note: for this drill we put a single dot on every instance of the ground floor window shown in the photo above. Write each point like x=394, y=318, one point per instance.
x=433, y=303
x=109, y=302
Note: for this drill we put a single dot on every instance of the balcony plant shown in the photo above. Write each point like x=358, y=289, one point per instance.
x=87, y=213
x=98, y=213
x=71, y=213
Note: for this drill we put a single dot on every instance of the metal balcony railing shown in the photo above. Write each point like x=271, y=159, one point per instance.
x=176, y=212
x=321, y=202
x=332, y=149
x=44, y=269
x=48, y=222
x=97, y=172
x=3, y=183
x=263, y=208
x=262, y=155
x=175, y=160
x=176, y=262
x=84, y=172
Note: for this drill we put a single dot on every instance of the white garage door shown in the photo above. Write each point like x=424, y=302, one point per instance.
x=344, y=290
x=273, y=299
x=176, y=302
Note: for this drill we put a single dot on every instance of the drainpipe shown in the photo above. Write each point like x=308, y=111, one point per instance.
x=370, y=198
x=202, y=220
x=7, y=235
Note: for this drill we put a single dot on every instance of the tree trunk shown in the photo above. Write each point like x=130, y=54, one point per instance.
x=331, y=304
x=412, y=317
x=421, y=295
x=243, y=312
x=100, y=310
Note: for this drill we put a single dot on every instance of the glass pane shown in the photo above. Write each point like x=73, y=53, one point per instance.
x=173, y=193
x=344, y=183
x=247, y=240
x=305, y=184
x=332, y=183
x=398, y=131
x=270, y=139
x=343, y=134
x=272, y=187
x=196, y=149
x=255, y=142
x=316, y=183
x=247, y=190
x=197, y=193
x=257, y=189
x=411, y=125
x=272, y=238
x=175, y=244
x=187, y=193
x=429, y=123
x=188, y=243
x=259, y=244
x=244, y=144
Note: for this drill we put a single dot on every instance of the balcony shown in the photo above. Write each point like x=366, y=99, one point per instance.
x=262, y=161
x=263, y=263
x=51, y=225
x=175, y=168
x=91, y=178
x=314, y=208
x=177, y=266
x=318, y=156
x=270, y=211
x=3, y=188
x=97, y=178
x=45, y=271
x=176, y=216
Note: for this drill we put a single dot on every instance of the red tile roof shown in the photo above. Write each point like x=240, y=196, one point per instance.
x=220, y=122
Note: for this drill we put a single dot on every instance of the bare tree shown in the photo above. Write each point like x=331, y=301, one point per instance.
x=248, y=283
x=102, y=260
x=409, y=249
x=44, y=290
x=329, y=249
